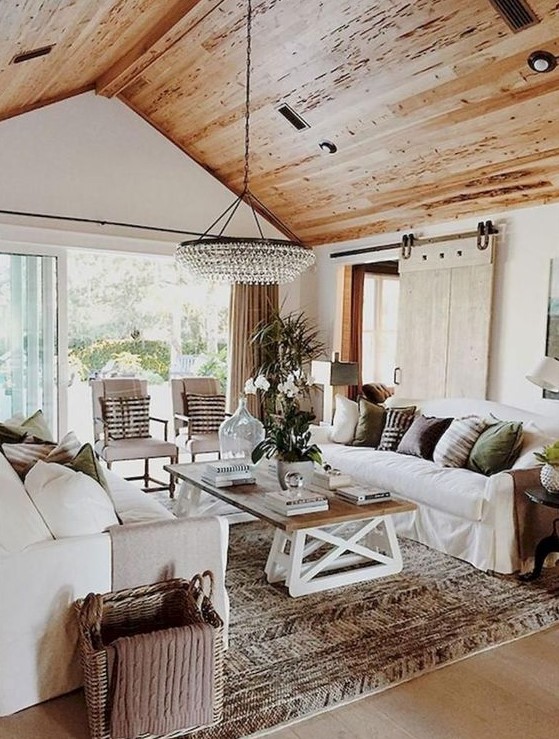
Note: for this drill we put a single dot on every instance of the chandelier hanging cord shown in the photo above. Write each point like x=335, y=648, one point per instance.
x=261, y=260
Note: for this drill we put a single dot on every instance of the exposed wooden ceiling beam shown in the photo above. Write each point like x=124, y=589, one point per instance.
x=169, y=29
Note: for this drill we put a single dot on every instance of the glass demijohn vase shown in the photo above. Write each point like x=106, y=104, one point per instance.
x=239, y=434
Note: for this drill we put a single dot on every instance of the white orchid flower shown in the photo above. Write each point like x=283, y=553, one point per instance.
x=261, y=383
x=250, y=387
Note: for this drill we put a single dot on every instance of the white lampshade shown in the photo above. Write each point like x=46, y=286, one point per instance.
x=546, y=375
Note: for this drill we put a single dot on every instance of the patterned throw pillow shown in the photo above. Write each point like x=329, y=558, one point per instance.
x=398, y=421
x=126, y=418
x=455, y=445
x=23, y=456
x=205, y=413
x=422, y=436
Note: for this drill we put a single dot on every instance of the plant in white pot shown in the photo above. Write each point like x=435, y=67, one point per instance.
x=287, y=344
x=549, y=473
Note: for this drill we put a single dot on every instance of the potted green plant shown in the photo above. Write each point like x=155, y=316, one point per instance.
x=549, y=473
x=287, y=344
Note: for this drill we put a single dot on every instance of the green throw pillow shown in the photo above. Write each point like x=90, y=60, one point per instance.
x=14, y=432
x=370, y=423
x=85, y=462
x=497, y=448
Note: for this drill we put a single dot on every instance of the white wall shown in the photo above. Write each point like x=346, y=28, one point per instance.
x=91, y=157
x=528, y=240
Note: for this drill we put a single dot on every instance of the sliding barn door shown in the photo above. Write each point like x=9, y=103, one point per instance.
x=444, y=320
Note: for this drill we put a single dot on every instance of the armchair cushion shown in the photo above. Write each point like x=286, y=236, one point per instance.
x=126, y=418
x=205, y=413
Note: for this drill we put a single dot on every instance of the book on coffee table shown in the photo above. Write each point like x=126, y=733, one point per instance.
x=362, y=495
x=284, y=502
x=225, y=474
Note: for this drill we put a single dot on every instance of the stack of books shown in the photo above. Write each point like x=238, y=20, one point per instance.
x=361, y=495
x=225, y=474
x=284, y=502
x=331, y=479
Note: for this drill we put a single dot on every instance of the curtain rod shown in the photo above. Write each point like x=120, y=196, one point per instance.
x=486, y=228
x=74, y=219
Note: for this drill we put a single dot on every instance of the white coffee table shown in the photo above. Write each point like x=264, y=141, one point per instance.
x=315, y=551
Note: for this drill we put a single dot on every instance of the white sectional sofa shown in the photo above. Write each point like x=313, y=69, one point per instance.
x=460, y=512
x=40, y=581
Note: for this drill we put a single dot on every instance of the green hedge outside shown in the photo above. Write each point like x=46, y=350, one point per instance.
x=154, y=356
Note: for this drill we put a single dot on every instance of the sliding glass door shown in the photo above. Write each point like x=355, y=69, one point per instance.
x=28, y=336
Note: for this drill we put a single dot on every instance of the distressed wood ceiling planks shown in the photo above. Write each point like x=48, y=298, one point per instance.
x=431, y=103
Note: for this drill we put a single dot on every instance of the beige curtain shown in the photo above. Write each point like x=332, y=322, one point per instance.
x=249, y=306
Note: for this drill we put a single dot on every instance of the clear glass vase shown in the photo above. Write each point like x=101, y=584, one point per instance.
x=239, y=434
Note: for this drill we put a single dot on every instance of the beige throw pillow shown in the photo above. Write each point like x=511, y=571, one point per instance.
x=455, y=445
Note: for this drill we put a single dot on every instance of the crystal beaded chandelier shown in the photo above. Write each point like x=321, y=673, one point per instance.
x=261, y=260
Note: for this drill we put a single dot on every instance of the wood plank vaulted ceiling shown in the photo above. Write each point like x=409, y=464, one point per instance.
x=431, y=104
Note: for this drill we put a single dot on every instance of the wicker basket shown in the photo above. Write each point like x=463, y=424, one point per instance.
x=164, y=605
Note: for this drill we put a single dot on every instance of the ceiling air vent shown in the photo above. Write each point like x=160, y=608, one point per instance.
x=294, y=118
x=516, y=13
x=25, y=56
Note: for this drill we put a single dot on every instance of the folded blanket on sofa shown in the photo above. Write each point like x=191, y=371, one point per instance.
x=145, y=553
x=162, y=681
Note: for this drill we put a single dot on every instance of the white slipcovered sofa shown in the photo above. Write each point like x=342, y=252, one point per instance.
x=460, y=512
x=41, y=577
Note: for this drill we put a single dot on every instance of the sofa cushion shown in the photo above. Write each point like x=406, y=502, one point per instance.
x=20, y=522
x=496, y=448
x=131, y=504
x=422, y=436
x=23, y=456
x=457, y=491
x=71, y=503
x=346, y=415
x=376, y=392
x=455, y=445
x=370, y=424
x=398, y=421
x=17, y=428
x=534, y=439
x=85, y=462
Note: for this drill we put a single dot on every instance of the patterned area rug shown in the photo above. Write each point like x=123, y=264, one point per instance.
x=289, y=658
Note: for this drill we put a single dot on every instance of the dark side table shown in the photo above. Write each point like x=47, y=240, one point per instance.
x=548, y=544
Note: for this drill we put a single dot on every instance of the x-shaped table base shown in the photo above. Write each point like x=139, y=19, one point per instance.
x=349, y=553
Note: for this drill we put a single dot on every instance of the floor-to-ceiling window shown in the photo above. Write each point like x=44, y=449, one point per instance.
x=28, y=336
x=141, y=316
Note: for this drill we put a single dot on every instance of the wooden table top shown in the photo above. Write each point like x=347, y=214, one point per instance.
x=250, y=498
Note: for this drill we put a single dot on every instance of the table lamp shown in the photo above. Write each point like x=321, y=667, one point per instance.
x=546, y=375
x=334, y=376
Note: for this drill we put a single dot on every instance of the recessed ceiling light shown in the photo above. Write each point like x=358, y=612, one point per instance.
x=328, y=146
x=542, y=61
